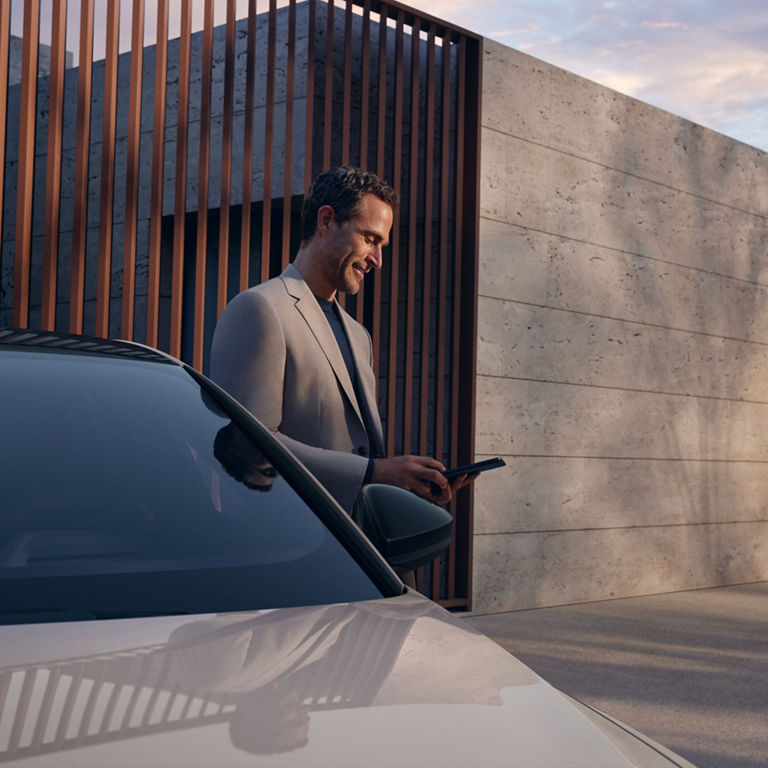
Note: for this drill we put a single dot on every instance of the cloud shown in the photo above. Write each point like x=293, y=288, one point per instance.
x=705, y=60
x=708, y=75
x=664, y=25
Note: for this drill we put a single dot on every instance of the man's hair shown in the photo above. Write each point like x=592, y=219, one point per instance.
x=342, y=188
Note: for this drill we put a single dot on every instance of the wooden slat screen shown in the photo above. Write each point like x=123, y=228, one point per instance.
x=169, y=175
x=26, y=166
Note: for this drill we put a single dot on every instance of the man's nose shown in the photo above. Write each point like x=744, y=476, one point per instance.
x=375, y=256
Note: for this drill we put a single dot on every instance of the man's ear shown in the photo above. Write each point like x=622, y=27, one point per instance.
x=325, y=215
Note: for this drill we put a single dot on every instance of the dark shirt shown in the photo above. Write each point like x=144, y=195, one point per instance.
x=332, y=315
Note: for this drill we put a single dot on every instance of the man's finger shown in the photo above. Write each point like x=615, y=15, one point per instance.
x=445, y=496
x=459, y=482
x=429, y=463
x=437, y=484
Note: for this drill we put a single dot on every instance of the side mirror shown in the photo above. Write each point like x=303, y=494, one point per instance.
x=408, y=531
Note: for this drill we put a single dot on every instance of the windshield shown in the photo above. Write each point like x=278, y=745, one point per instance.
x=125, y=494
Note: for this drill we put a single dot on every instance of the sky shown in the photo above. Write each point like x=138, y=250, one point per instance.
x=705, y=60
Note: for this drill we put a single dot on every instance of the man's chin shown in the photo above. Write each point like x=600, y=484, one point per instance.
x=351, y=288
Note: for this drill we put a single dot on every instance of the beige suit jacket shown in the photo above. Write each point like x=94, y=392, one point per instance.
x=274, y=351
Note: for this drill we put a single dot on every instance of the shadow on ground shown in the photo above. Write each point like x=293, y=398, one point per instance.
x=690, y=669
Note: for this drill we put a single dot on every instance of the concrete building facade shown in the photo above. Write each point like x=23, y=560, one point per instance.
x=622, y=346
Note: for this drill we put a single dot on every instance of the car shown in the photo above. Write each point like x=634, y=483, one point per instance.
x=176, y=589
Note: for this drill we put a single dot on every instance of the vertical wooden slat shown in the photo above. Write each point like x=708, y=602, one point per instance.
x=310, y=110
x=132, y=170
x=426, y=286
x=202, y=189
x=381, y=125
x=158, y=173
x=269, y=122
x=381, y=111
x=180, y=193
x=26, y=171
x=53, y=169
x=80, y=215
x=426, y=290
x=456, y=505
x=364, y=106
x=456, y=308
x=441, y=335
x=465, y=306
x=328, y=102
x=414, y=171
x=346, y=120
x=458, y=235
x=394, y=273
x=469, y=72
x=104, y=277
x=250, y=90
x=365, y=70
x=5, y=41
x=226, y=158
x=288, y=167
x=340, y=145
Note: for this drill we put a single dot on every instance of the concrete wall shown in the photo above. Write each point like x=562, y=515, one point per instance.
x=623, y=346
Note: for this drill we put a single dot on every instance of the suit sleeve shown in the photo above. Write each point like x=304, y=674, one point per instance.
x=248, y=357
x=248, y=360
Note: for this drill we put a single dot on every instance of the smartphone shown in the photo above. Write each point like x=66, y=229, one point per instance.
x=469, y=469
x=478, y=466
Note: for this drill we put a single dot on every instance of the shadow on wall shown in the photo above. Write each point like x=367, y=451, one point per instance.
x=696, y=268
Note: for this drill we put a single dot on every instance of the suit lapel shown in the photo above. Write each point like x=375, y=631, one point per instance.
x=361, y=355
x=310, y=310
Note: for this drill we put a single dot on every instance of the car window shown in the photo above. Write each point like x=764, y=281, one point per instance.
x=124, y=493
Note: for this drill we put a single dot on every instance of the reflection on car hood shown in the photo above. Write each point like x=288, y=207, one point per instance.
x=396, y=682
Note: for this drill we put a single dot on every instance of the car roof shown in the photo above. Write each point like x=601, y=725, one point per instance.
x=53, y=340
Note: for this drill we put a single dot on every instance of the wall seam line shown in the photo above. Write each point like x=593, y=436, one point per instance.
x=662, y=393
x=661, y=526
x=626, y=173
x=623, y=320
x=560, y=236
x=680, y=459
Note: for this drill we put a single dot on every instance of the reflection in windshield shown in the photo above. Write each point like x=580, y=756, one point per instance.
x=126, y=494
x=242, y=460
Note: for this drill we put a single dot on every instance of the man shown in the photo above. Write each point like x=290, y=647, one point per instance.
x=303, y=366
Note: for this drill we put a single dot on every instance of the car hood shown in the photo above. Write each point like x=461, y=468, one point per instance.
x=394, y=682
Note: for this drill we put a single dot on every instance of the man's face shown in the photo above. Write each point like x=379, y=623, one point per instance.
x=353, y=248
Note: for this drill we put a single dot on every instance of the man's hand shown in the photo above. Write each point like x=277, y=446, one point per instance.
x=418, y=473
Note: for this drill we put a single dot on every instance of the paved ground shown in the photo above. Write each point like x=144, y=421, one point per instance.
x=690, y=669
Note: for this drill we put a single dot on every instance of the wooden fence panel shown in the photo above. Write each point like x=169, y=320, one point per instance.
x=255, y=109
